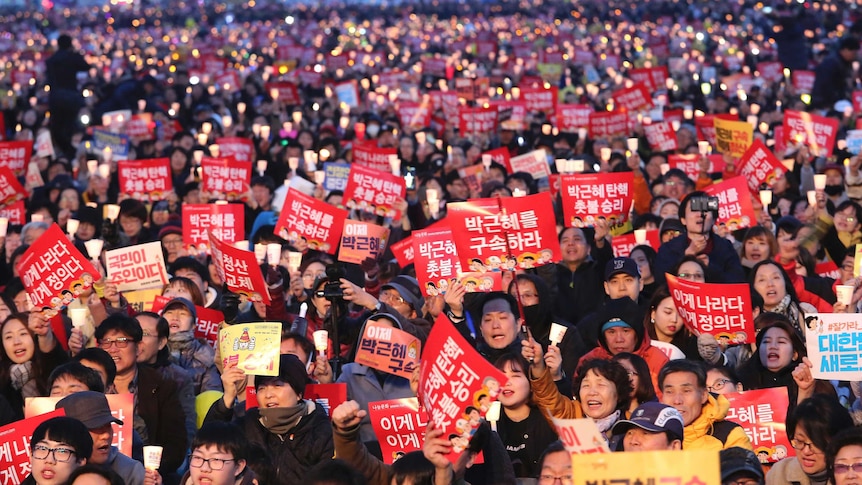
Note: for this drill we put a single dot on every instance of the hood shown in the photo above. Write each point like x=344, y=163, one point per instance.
x=715, y=409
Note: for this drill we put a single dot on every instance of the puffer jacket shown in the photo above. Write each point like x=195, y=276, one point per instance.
x=198, y=358
x=705, y=432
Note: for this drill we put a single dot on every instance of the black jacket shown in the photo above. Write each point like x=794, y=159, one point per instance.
x=724, y=265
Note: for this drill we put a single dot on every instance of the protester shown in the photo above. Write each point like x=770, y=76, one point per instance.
x=740, y=466
x=58, y=447
x=652, y=427
x=842, y=457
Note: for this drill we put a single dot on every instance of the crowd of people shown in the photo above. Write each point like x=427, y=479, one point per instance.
x=627, y=362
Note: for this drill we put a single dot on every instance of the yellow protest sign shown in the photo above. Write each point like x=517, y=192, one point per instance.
x=673, y=467
x=253, y=347
x=733, y=137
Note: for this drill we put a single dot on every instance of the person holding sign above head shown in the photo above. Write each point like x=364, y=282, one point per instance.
x=698, y=212
x=652, y=427
x=295, y=431
x=683, y=386
x=58, y=447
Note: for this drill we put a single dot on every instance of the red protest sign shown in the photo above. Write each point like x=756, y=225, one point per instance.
x=456, y=384
x=587, y=197
x=501, y=156
x=635, y=98
x=476, y=120
x=239, y=270
x=818, y=132
x=361, y=240
x=15, y=446
x=415, y=115
x=857, y=101
x=327, y=396
x=388, y=349
x=149, y=179
x=580, y=436
x=541, y=99
x=374, y=191
x=623, y=244
x=403, y=251
x=225, y=178
x=734, y=203
x=434, y=66
x=436, y=258
x=661, y=136
x=10, y=189
x=284, y=92
x=705, y=126
x=690, y=163
x=226, y=221
x=140, y=126
x=208, y=320
x=472, y=176
x=242, y=149
x=606, y=125
x=762, y=414
x=760, y=166
x=771, y=71
x=719, y=309
x=370, y=155
x=54, y=272
x=399, y=425
x=534, y=163
x=652, y=78
x=15, y=155
x=16, y=213
x=319, y=223
x=803, y=81
x=827, y=269
x=572, y=117
x=511, y=114
x=505, y=233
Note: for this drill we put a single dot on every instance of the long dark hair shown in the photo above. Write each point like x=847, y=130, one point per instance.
x=39, y=370
x=680, y=337
x=645, y=392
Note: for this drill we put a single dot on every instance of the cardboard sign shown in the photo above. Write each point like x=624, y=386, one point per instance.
x=239, y=270
x=661, y=136
x=505, y=233
x=371, y=190
x=735, y=209
x=732, y=137
x=669, y=467
x=119, y=144
x=122, y=407
x=635, y=98
x=721, y=310
x=580, y=436
x=760, y=167
x=623, y=244
x=242, y=149
x=225, y=178
x=147, y=179
x=436, y=258
x=762, y=414
x=456, y=385
x=319, y=223
x=11, y=190
x=207, y=324
x=226, y=221
x=608, y=125
x=253, y=347
x=15, y=155
x=15, y=446
x=137, y=267
x=370, y=155
x=361, y=240
x=572, y=117
x=834, y=343
x=388, y=349
x=473, y=121
x=337, y=175
x=54, y=272
x=327, y=396
x=534, y=163
x=818, y=132
x=399, y=425
x=690, y=164
x=588, y=197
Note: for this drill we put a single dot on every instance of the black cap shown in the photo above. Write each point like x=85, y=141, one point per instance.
x=621, y=265
x=89, y=407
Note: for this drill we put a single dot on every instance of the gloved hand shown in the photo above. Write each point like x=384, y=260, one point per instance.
x=370, y=267
x=480, y=437
x=229, y=305
x=708, y=348
x=272, y=275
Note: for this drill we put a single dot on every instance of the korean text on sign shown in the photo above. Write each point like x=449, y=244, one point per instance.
x=834, y=343
x=734, y=203
x=399, y=425
x=137, y=267
x=388, y=349
x=239, y=270
x=762, y=414
x=722, y=310
x=588, y=197
x=670, y=467
x=319, y=223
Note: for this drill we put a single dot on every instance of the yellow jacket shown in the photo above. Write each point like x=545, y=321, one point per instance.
x=706, y=432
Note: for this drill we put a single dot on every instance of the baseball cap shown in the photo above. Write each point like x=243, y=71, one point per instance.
x=89, y=407
x=179, y=301
x=735, y=460
x=408, y=288
x=654, y=417
x=621, y=265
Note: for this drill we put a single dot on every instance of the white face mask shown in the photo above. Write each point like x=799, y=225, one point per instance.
x=372, y=130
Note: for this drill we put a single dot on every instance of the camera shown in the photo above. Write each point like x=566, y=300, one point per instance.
x=704, y=204
x=332, y=290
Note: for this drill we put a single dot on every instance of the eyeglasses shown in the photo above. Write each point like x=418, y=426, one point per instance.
x=845, y=217
x=148, y=334
x=692, y=276
x=61, y=455
x=391, y=296
x=800, y=445
x=172, y=242
x=121, y=342
x=549, y=479
x=847, y=267
x=842, y=468
x=718, y=385
x=196, y=461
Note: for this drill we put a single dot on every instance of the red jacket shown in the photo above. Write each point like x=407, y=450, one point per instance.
x=654, y=357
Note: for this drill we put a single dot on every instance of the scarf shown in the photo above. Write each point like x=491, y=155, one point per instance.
x=23, y=379
x=820, y=478
x=604, y=424
x=282, y=420
x=180, y=341
x=790, y=310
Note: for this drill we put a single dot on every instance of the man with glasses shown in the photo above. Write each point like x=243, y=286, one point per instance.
x=159, y=416
x=58, y=447
x=219, y=456
x=555, y=465
x=171, y=237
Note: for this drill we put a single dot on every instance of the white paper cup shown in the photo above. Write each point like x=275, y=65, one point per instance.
x=395, y=164
x=640, y=236
x=78, y=316
x=605, y=153
x=37, y=218
x=812, y=198
x=493, y=412
x=294, y=260
x=112, y=211
x=259, y=252
x=820, y=181
x=4, y=225
x=765, y=197
x=94, y=247
x=261, y=165
x=273, y=254
x=104, y=170
x=632, y=144
x=578, y=165
x=152, y=457
x=72, y=226
x=844, y=293
x=703, y=147
x=319, y=177
x=321, y=340
x=665, y=167
x=557, y=333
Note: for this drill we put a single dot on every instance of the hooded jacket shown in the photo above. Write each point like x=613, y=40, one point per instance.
x=704, y=432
